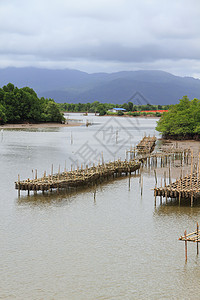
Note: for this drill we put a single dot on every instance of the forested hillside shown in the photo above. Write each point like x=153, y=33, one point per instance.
x=73, y=86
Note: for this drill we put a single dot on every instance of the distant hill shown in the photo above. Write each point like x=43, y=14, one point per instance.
x=154, y=87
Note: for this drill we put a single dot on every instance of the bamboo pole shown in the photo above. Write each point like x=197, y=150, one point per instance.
x=197, y=238
x=185, y=233
x=52, y=171
x=141, y=185
x=18, y=185
x=155, y=178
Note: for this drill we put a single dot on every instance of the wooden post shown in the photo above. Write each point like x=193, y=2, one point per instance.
x=197, y=238
x=155, y=177
x=71, y=138
x=18, y=185
x=141, y=185
x=185, y=233
x=95, y=193
x=35, y=173
x=192, y=199
x=102, y=158
x=51, y=171
x=59, y=172
x=116, y=136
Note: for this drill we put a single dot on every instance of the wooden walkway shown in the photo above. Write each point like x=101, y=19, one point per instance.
x=78, y=178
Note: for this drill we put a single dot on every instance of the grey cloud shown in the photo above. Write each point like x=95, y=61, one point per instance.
x=115, y=31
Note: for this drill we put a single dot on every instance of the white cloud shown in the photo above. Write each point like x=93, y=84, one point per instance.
x=101, y=34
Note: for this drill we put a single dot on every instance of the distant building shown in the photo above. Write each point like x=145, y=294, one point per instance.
x=116, y=109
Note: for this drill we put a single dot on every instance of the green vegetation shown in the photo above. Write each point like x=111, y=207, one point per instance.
x=182, y=120
x=102, y=108
x=23, y=105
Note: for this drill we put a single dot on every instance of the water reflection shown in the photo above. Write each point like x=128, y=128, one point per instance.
x=64, y=246
x=63, y=197
x=66, y=196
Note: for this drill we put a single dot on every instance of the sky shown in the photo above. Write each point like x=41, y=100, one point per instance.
x=102, y=35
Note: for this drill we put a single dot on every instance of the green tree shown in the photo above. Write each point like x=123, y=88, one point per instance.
x=3, y=118
x=182, y=119
x=52, y=112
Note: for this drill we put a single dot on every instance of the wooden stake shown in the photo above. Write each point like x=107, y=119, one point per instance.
x=185, y=233
x=71, y=138
x=197, y=238
x=18, y=185
x=155, y=177
x=141, y=185
x=95, y=193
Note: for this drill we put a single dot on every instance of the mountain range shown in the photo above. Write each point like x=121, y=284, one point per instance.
x=140, y=87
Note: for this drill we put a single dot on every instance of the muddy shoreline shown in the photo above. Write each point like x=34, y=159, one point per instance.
x=39, y=125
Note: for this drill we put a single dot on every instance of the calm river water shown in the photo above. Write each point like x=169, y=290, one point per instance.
x=68, y=246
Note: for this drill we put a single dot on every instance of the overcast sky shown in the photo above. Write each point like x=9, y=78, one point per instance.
x=102, y=35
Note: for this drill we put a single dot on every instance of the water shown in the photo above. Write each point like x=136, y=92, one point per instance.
x=68, y=246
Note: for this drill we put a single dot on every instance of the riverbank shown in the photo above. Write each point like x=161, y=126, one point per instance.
x=184, y=144
x=39, y=125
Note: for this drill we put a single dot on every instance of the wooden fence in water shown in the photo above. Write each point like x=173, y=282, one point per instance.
x=187, y=187
x=146, y=145
x=191, y=237
x=79, y=177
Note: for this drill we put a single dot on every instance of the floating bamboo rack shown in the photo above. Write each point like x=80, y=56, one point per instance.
x=146, y=145
x=79, y=177
x=186, y=187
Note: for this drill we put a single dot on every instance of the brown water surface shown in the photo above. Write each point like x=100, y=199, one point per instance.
x=68, y=246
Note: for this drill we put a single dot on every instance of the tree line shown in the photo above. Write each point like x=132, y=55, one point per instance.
x=182, y=121
x=19, y=105
x=102, y=108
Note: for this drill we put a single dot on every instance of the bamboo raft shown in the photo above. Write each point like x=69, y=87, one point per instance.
x=79, y=177
x=191, y=237
x=146, y=145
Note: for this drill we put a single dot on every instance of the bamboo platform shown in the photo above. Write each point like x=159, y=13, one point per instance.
x=191, y=237
x=161, y=159
x=146, y=145
x=186, y=187
x=79, y=177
